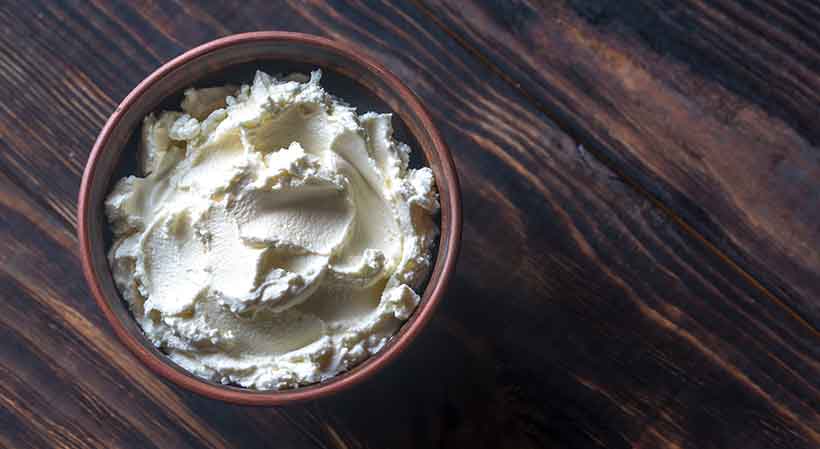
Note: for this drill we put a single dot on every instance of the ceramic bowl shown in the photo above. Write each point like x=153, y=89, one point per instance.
x=348, y=73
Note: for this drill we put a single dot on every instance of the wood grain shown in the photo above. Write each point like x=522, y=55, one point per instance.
x=581, y=314
x=709, y=107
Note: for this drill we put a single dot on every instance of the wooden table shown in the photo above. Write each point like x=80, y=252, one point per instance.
x=641, y=252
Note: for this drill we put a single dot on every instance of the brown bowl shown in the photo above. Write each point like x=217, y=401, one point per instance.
x=226, y=60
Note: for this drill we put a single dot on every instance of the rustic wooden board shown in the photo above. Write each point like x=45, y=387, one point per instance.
x=711, y=108
x=581, y=314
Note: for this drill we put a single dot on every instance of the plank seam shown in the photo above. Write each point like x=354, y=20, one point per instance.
x=629, y=181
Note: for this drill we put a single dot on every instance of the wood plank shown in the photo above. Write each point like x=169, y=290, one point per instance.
x=710, y=107
x=580, y=316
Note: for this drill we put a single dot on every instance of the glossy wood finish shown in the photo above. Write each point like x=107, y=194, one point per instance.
x=589, y=308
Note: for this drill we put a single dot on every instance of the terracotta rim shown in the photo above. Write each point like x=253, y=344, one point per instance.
x=409, y=331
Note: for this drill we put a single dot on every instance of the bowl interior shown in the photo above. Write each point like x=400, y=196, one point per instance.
x=350, y=78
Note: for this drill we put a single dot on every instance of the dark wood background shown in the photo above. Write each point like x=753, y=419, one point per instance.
x=641, y=253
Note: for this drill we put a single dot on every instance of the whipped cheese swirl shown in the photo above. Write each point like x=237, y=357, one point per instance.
x=275, y=237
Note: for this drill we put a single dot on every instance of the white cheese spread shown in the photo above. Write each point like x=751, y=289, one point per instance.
x=275, y=237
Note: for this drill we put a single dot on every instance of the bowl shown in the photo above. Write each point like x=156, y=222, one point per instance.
x=234, y=58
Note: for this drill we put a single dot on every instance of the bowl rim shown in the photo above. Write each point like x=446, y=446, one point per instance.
x=357, y=374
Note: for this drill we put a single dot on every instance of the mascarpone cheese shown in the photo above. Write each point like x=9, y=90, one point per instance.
x=274, y=238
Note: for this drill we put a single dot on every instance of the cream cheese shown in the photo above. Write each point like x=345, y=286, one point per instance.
x=274, y=238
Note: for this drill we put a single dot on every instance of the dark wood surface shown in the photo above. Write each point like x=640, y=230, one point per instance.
x=641, y=254
x=711, y=108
